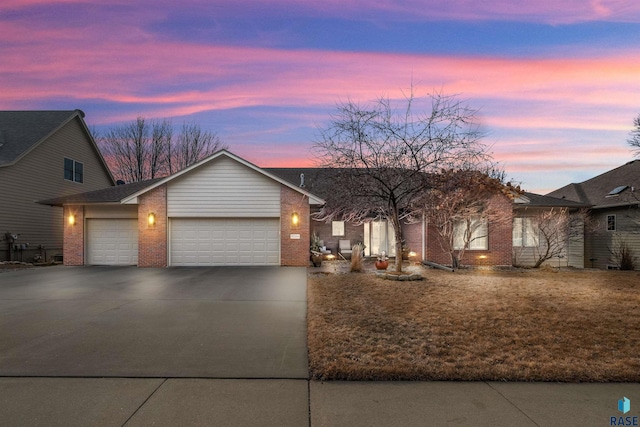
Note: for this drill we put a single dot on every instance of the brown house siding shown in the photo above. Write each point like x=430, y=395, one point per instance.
x=40, y=175
x=73, y=236
x=294, y=252
x=152, y=239
x=500, y=241
x=412, y=235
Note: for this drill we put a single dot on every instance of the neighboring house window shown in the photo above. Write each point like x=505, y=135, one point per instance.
x=611, y=223
x=524, y=233
x=337, y=228
x=479, y=234
x=73, y=171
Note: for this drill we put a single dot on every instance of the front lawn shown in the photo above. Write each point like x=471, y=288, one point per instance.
x=527, y=325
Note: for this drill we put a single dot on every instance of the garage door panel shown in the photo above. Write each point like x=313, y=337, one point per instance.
x=225, y=241
x=112, y=241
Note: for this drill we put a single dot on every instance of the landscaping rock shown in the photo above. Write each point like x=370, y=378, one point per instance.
x=399, y=277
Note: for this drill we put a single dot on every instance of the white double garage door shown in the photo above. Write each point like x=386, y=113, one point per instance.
x=192, y=241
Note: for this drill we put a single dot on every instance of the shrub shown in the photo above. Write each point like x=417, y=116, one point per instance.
x=356, y=257
x=623, y=255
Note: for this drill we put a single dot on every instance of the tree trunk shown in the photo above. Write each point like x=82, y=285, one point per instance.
x=455, y=261
x=398, y=255
x=397, y=230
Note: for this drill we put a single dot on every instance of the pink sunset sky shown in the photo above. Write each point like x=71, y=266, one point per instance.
x=557, y=84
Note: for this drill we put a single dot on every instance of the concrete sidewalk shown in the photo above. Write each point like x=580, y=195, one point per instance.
x=290, y=402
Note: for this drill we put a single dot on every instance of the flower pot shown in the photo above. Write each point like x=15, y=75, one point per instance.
x=316, y=260
x=382, y=265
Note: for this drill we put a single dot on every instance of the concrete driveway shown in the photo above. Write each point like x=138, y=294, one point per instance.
x=177, y=322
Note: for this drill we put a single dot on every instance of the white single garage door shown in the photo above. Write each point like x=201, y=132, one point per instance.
x=225, y=241
x=112, y=241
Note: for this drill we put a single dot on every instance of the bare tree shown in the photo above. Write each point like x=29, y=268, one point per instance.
x=634, y=136
x=383, y=157
x=193, y=144
x=136, y=151
x=459, y=206
x=146, y=149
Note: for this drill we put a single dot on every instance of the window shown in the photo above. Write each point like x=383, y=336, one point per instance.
x=524, y=233
x=73, y=171
x=611, y=223
x=337, y=228
x=478, y=240
x=617, y=190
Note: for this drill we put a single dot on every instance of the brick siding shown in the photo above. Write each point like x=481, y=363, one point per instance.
x=412, y=235
x=294, y=252
x=353, y=233
x=152, y=239
x=73, y=241
x=499, y=236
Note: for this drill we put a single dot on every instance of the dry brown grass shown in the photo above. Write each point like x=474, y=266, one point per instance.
x=476, y=325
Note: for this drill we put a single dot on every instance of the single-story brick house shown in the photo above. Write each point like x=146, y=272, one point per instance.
x=225, y=210
x=220, y=211
x=495, y=245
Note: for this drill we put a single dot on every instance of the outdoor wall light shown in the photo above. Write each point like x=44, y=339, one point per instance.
x=295, y=218
x=152, y=219
x=72, y=219
x=482, y=257
x=412, y=254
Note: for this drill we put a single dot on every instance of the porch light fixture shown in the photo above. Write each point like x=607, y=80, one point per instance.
x=482, y=257
x=152, y=219
x=72, y=219
x=295, y=218
x=412, y=254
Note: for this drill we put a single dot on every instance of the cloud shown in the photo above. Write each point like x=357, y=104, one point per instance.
x=184, y=79
x=112, y=54
x=541, y=11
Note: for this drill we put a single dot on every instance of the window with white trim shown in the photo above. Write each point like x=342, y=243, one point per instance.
x=479, y=239
x=337, y=228
x=73, y=171
x=524, y=233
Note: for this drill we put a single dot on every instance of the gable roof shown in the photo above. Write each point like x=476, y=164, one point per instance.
x=598, y=190
x=313, y=199
x=23, y=131
x=128, y=193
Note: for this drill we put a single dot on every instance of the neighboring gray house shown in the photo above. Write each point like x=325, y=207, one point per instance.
x=613, y=197
x=43, y=154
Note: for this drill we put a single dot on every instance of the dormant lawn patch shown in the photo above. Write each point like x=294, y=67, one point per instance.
x=527, y=325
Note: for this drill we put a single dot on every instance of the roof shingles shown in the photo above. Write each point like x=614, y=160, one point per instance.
x=106, y=195
x=595, y=191
x=22, y=130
